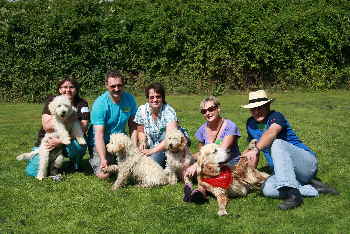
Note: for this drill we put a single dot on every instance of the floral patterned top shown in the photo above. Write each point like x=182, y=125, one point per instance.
x=155, y=128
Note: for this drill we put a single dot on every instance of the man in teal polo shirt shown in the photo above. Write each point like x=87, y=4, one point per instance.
x=110, y=113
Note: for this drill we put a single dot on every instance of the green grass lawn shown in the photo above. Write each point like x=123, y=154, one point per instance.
x=84, y=204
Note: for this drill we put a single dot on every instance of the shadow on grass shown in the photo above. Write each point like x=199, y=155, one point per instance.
x=84, y=167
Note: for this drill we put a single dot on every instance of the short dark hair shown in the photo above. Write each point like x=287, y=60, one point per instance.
x=158, y=88
x=114, y=74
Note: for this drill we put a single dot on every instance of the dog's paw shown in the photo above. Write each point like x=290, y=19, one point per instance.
x=172, y=182
x=111, y=169
x=172, y=179
x=114, y=188
x=222, y=212
x=40, y=178
x=81, y=140
x=20, y=157
x=66, y=141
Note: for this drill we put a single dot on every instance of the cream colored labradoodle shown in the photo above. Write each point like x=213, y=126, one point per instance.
x=131, y=162
x=178, y=155
x=66, y=125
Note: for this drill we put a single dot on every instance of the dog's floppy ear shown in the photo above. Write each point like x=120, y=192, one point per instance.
x=121, y=147
x=109, y=147
x=241, y=167
x=200, y=162
x=183, y=143
x=52, y=107
x=252, y=144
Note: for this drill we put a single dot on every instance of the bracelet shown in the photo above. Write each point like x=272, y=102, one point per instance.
x=257, y=149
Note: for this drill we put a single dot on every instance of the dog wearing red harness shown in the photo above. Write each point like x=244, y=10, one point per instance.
x=224, y=182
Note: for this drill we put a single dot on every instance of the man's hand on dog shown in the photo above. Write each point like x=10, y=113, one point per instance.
x=103, y=163
x=252, y=157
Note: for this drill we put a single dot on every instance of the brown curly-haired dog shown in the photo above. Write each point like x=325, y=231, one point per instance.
x=224, y=182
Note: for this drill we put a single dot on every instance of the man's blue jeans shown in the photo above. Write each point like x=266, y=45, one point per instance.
x=293, y=167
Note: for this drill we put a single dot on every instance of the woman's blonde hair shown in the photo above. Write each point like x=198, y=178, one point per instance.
x=209, y=99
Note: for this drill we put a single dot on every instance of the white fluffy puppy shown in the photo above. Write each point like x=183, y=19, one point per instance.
x=178, y=155
x=65, y=124
x=65, y=120
x=131, y=162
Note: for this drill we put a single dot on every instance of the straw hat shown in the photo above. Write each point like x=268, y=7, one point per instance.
x=257, y=98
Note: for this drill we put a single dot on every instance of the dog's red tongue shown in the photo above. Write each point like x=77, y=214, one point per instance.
x=223, y=180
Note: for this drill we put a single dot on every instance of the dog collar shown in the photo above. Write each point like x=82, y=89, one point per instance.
x=224, y=180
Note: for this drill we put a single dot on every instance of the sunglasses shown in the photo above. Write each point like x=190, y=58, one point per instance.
x=210, y=109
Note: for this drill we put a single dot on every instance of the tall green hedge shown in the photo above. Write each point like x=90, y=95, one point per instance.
x=190, y=46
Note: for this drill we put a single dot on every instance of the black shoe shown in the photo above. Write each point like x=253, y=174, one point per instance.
x=198, y=197
x=323, y=188
x=293, y=199
x=187, y=193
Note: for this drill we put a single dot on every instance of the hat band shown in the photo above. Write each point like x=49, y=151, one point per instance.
x=258, y=100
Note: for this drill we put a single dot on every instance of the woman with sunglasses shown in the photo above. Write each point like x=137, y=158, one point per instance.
x=216, y=130
x=68, y=87
x=153, y=119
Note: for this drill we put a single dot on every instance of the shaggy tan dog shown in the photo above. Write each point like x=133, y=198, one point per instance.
x=131, y=162
x=178, y=155
x=224, y=182
x=66, y=125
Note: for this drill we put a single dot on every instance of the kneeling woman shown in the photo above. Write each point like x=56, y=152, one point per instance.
x=217, y=130
x=69, y=88
x=153, y=119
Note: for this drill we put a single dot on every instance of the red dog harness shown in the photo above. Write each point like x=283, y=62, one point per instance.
x=223, y=180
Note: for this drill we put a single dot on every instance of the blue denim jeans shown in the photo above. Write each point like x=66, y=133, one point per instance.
x=160, y=158
x=293, y=167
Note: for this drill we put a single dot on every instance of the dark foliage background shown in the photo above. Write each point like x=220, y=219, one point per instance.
x=191, y=46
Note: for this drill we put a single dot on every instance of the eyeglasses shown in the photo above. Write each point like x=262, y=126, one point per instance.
x=67, y=87
x=210, y=109
x=155, y=97
x=117, y=85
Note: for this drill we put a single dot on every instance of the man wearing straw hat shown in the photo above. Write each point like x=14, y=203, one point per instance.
x=294, y=165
